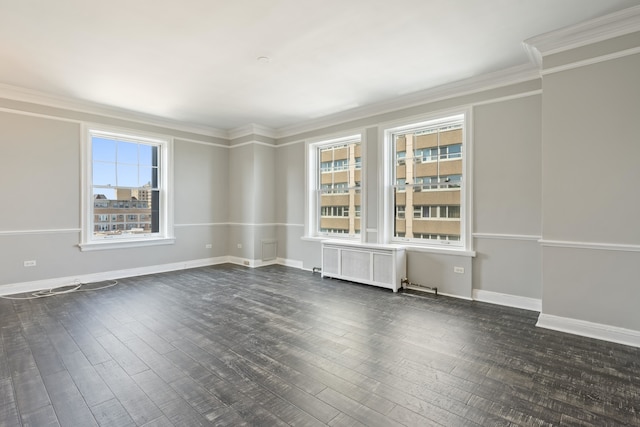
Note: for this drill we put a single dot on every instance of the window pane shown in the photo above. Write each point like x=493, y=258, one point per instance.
x=127, y=152
x=127, y=175
x=432, y=194
x=455, y=151
x=104, y=149
x=339, y=175
x=146, y=155
x=148, y=176
x=104, y=174
x=131, y=206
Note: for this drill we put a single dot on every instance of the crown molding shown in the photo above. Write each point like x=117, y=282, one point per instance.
x=16, y=93
x=501, y=78
x=616, y=24
x=472, y=85
x=252, y=129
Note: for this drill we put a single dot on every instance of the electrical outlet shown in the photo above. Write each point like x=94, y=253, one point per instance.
x=31, y=263
x=246, y=263
x=459, y=270
x=239, y=245
x=208, y=246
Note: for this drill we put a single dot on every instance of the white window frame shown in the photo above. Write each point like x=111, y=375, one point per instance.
x=165, y=235
x=312, y=173
x=387, y=212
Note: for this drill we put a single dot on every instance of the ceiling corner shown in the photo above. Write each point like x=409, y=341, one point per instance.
x=252, y=129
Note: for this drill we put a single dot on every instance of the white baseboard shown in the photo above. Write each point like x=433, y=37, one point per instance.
x=290, y=263
x=256, y=263
x=251, y=263
x=515, y=301
x=590, y=329
x=444, y=294
x=245, y=262
x=39, y=285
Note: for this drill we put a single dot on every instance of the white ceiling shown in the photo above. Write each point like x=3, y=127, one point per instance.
x=195, y=61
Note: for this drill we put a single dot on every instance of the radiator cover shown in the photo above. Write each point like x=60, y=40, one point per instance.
x=371, y=264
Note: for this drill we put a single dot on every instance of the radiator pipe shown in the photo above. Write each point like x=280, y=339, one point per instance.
x=406, y=284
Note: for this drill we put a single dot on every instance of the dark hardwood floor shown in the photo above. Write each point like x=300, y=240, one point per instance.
x=227, y=345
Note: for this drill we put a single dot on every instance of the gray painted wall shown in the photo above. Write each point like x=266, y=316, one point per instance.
x=590, y=197
x=252, y=199
x=507, y=190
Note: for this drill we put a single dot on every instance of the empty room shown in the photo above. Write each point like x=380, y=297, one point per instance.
x=339, y=213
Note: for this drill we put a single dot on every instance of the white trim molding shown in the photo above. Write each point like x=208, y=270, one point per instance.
x=606, y=27
x=125, y=244
x=445, y=294
x=290, y=263
x=46, y=284
x=44, y=231
x=589, y=245
x=589, y=329
x=498, y=236
x=16, y=93
x=507, y=98
x=481, y=83
x=39, y=285
x=237, y=224
x=253, y=142
x=250, y=263
x=257, y=263
x=202, y=224
x=195, y=141
x=82, y=122
x=252, y=129
x=591, y=61
x=508, y=300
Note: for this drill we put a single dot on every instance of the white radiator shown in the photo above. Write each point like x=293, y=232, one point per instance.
x=372, y=264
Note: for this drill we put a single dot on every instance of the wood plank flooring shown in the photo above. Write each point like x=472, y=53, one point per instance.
x=231, y=346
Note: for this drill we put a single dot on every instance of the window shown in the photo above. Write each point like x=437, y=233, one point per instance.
x=426, y=172
x=433, y=154
x=334, y=187
x=434, y=212
x=334, y=211
x=126, y=180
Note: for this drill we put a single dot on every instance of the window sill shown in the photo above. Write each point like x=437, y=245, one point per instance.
x=456, y=251
x=125, y=243
x=356, y=239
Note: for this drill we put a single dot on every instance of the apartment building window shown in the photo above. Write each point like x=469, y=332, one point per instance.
x=433, y=154
x=425, y=211
x=440, y=212
x=334, y=187
x=126, y=174
x=336, y=211
x=426, y=172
